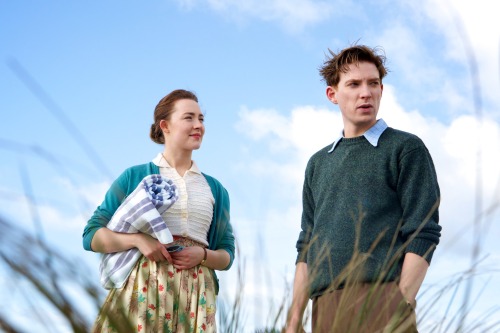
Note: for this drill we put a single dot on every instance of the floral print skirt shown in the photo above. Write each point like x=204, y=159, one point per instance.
x=159, y=298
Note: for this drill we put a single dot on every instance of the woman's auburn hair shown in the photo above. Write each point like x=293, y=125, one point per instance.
x=164, y=110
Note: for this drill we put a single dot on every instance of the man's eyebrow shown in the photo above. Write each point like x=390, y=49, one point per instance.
x=359, y=80
x=352, y=81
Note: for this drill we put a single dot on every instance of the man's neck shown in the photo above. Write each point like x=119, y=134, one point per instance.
x=353, y=131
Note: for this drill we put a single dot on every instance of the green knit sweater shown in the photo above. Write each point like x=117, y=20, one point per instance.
x=367, y=206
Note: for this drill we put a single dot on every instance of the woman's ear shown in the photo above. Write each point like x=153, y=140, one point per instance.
x=164, y=126
x=331, y=94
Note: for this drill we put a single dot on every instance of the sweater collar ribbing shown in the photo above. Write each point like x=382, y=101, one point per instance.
x=372, y=135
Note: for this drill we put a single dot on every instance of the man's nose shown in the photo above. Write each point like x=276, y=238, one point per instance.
x=365, y=91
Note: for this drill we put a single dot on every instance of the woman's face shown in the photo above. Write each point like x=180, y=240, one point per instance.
x=185, y=129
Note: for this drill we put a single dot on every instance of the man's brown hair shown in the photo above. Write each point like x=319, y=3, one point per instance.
x=337, y=63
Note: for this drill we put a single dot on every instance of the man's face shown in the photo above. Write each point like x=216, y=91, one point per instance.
x=358, y=95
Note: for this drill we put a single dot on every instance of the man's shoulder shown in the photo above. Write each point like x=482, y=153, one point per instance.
x=399, y=137
x=322, y=153
x=318, y=158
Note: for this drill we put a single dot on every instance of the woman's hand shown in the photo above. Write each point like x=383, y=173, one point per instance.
x=188, y=257
x=152, y=249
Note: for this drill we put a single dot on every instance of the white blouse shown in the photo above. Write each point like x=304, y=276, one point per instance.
x=191, y=215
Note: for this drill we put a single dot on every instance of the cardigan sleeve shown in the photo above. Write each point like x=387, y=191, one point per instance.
x=102, y=215
x=226, y=239
x=220, y=234
x=119, y=190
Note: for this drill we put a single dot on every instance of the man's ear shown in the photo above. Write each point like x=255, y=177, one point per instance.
x=331, y=94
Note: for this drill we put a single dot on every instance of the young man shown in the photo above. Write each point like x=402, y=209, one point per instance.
x=370, y=212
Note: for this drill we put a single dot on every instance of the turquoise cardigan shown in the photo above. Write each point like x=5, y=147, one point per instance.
x=220, y=234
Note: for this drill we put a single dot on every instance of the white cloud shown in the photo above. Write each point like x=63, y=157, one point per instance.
x=290, y=140
x=305, y=131
x=469, y=27
x=293, y=15
x=430, y=45
x=91, y=194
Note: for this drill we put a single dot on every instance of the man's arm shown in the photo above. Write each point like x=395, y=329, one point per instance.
x=300, y=299
x=421, y=228
x=412, y=275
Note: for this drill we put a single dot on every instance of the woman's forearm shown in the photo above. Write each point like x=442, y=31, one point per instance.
x=107, y=241
x=218, y=259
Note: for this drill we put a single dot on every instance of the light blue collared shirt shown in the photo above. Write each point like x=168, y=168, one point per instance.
x=372, y=135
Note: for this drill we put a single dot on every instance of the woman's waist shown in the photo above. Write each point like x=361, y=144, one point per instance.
x=195, y=231
x=189, y=241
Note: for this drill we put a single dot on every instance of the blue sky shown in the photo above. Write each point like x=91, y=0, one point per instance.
x=79, y=82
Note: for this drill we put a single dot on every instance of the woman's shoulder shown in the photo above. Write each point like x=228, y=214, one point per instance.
x=212, y=181
x=215, y=185
x=140, y=170
x=132, y=175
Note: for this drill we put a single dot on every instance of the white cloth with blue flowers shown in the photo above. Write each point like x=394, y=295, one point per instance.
x=140, y=212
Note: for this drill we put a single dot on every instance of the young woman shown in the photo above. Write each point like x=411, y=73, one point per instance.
x=176, y=291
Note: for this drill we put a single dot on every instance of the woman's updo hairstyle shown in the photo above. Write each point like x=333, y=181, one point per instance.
x=164, y=110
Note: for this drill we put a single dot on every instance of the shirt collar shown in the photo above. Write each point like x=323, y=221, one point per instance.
x=161, y=162
x=372, y=135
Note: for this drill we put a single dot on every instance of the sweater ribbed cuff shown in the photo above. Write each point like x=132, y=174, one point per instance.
x=301, y=257
x=423, y=248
